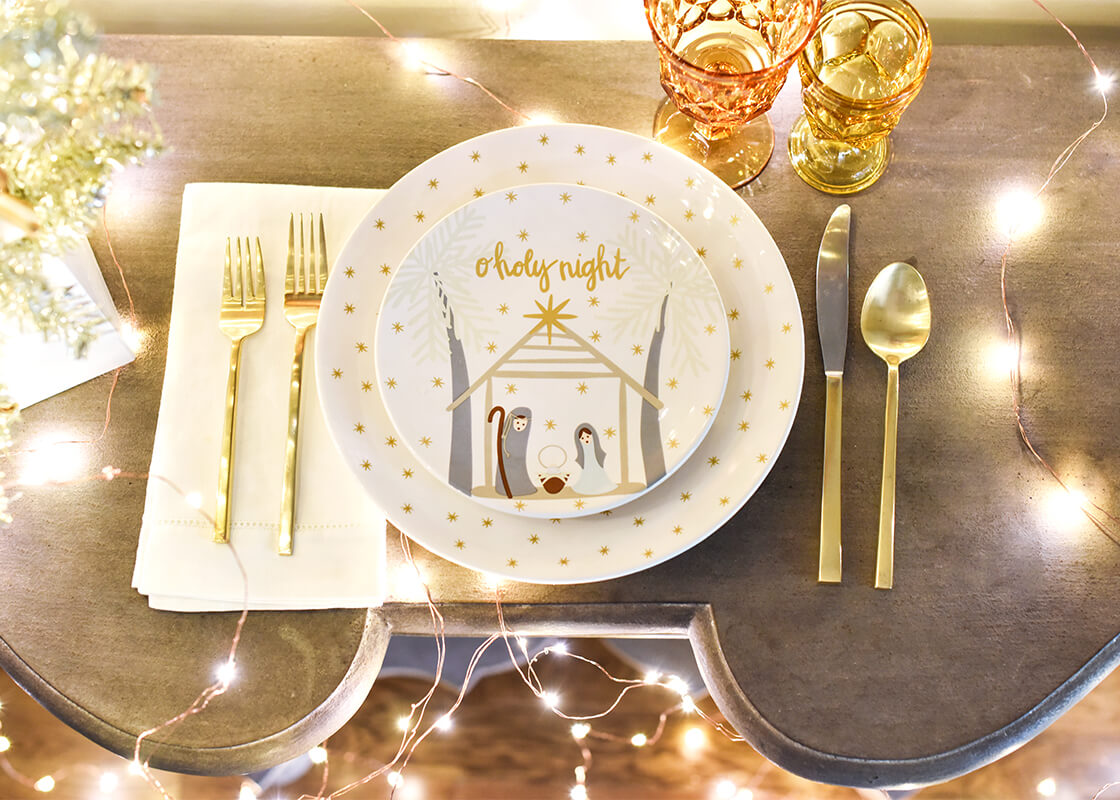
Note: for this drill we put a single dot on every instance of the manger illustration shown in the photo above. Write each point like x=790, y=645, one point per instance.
x=595, y=335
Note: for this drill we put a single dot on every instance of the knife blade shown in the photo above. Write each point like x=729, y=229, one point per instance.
x=832, y=326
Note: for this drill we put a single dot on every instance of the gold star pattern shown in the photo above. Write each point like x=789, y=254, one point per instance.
x=580, y=503
x=736, y=354
x=724, y=501
x=580, y=149
x=452, y=516
x=544, y=139
x=407, y=508
x=475, y=156
x=460, y=544
x=770, y=363
x=709, y=329
x=713, y=461
x=419, y=216
x=478, y=191
x=503, y=309
x=391, y=383
x=512, y=562
x=639, y=522
x=563, y=562
x=361, y=347
x=678, y=530
x=673, y=444
x=582, y=236
x=634, y=216
x=550, y=424
x=637, y=349
x=744, y=425
x=784, y=405
x=349, y=272
x=787, y=328
x=733, y=314
x=650, y=199
x=437, y=382
x=690, y=182
x=534, y=539
x=647, y=553
x=523, y=234
x=511, y=388
x=522, y=167
x=433, y=184
x=746, y=396
x=380, y=224
x=768, y=288
x=565, y=198
x=604, y=550
x=672, y=383
x=763, y=458
x=582, y=388
x=367, y=466
x=593, y=301
x=406, y=473
x=391, y=441
x=737, y=262
x=359, y=428
x=735, y=220
x=609, y=433
x=702, y=252
x=708, y=411
x=367, y=386
x=555, y=520
x=348, y=308
x=426, y=441
x=686, y=496
x=384, y=268
x=336, y=373
x=689, y=214
x=611, y=159
x=647, y=157
x=511, y=196
x=487, y=522
x=596, y=336
x=491, y=347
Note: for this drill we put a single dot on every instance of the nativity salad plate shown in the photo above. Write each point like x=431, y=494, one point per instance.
x=749, y=429
x=521, y=344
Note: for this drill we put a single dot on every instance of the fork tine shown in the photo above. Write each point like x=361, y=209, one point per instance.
x=322, y=282
x=301, y=281
x=227, y=276
x=259, y=289
x=290, y=275
x=312, y=275
x=239, y=282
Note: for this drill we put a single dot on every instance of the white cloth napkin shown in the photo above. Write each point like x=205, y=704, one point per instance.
x=339, y=558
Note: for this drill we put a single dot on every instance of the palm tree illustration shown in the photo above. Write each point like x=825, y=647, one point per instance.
x=673, y=299
x=433, y=285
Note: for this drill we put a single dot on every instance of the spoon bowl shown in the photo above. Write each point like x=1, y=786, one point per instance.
x=895, y=322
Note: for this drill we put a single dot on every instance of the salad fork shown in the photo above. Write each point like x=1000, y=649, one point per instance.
x=242, y=314
x=303, y=291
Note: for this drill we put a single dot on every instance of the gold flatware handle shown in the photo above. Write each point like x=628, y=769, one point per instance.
x=884, y=561
x=291, y=451
x=225, y=464
x=830, y=492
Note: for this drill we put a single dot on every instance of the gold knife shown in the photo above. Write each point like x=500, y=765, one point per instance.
x=832, y=325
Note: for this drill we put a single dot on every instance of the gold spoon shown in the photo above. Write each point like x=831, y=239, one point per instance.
x=895, y=322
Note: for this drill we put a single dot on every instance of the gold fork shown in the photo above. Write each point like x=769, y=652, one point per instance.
x=301, y=308
x=242, y=314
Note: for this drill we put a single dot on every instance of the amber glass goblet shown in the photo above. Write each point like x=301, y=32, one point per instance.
x=860, y=71
x=722, y=64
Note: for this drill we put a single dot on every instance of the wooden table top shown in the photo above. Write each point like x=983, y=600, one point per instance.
x=1004, y=612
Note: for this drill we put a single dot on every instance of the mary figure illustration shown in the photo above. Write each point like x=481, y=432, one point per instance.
x=511, y=455
x=593, y=479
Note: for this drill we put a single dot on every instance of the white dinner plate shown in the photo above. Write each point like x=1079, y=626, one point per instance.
x=763, y=386
x=520, y=348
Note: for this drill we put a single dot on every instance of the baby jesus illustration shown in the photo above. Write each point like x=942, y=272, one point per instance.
x=590, y=456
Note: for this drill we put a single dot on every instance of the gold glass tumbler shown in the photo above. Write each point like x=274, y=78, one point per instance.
x=722, y=64
x=860, y=71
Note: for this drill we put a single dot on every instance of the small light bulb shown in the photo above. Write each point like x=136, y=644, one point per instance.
x=1018, y=212
x=226, y=672
x=317, y=754
x=1104, y=82
x=639, y=740
x=55, y=458
x=744, y=794
x=194, y=499
x=135, y=768
x=541, y=118
x=581, y=773
x=677, y=685
x=444, y=722
x=580, y=730
x=44, y=784
x=408, y=583
x=725, y=789
x=108, y=782
x=560, y=648
x=403, y=723
x=653, y=676
x=394, y=779
x=247, y=791
x=688, y=705
x=578, y=792
x=413, y=56
x=5, y=744
x=132, y=337
x=694, y=739
x=1047, y=787
x=550, y=699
